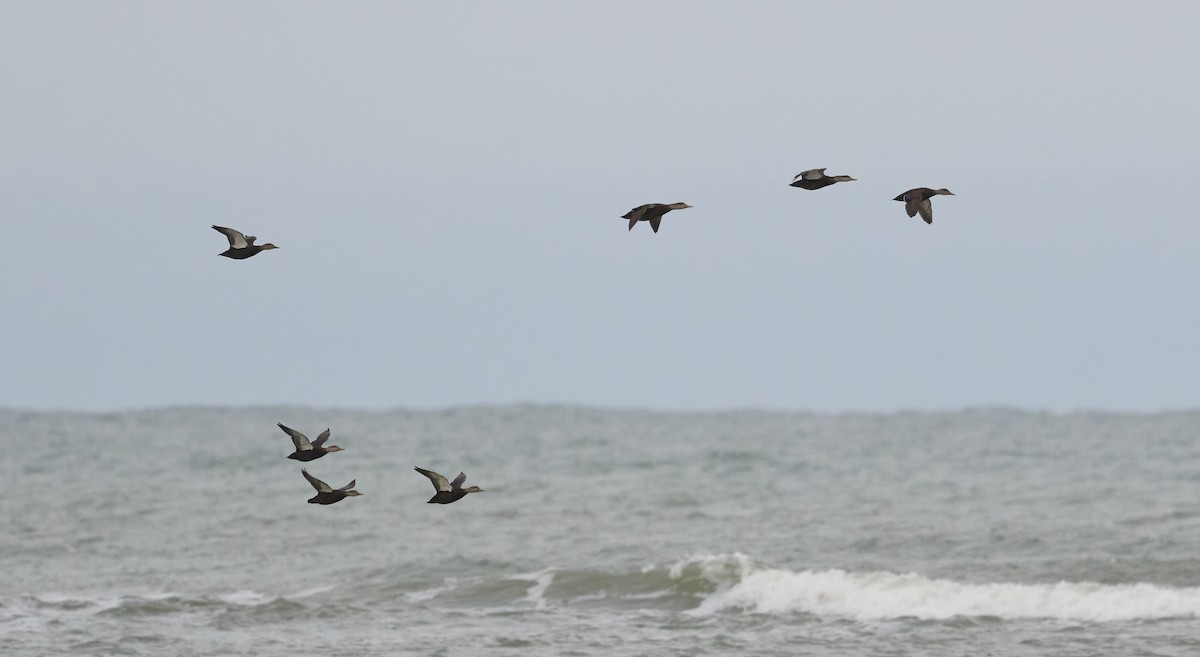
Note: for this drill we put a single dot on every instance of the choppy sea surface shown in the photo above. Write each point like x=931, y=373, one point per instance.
x=991, y=532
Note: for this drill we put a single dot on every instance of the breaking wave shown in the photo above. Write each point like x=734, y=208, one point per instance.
x=746, y=586
x=698, y=586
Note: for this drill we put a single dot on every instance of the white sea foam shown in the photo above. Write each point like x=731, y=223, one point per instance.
x=246, y=598
x=95, y=603
x=536, y=593
x=449, y=584
x=883, y=595
x=310, y=592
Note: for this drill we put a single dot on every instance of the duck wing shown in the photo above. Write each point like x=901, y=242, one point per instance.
x=348, y=486
x=320, y=441
x=439, y=482
x=637, y=213
x=926, y=209
x=912, y=203
x=236, y=239
x=298, y=439
x=655, y=221
x=321, y=486
x=811, y=174
x=458, y=481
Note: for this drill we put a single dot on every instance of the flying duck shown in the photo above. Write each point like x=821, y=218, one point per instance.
x=327, y=495
x=917, y=200
x=306, y=451
x=448, y=491
x=816, y=179
x=240, y=246
x=652, y=212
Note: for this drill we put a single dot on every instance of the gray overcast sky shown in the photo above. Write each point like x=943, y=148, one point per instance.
x=446, y=180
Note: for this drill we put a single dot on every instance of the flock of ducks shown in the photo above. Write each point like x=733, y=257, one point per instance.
x=242, y=246
x=916, y=201
x=447, y=491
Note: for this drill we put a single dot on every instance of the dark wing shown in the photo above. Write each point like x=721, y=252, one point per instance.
x=298, y=439
x=458, y=481
x=321, y=439
x=655, y=221
x=926, y=209
x=632, y=223
x=912, y=203
x=236, y=239
x=321, y=486
x=638, y=213
x=439, y=482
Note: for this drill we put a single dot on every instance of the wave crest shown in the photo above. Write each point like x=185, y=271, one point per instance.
x=744, y=585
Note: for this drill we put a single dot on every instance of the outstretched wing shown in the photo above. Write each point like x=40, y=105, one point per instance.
x=439, y=482
x=912, y=203
x=236, y=239
x=926, y=209
x=811, y=174
x=458, y=481
x=348, y=486
x=301, y=440
x=321, y=486
x=321, y=439
x=635, y=215
x=655, y=221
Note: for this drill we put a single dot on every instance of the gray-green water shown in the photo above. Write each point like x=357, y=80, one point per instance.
x=602, y=532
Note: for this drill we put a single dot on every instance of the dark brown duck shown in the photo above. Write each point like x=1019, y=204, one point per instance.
x=306, y=451
x=326, y=494
x=447, y=491
x=816, y=179
x=240, y=246
x=917, y=200
x=651, y=212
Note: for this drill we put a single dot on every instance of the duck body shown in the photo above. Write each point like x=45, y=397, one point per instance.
x=917, y=200
x=652, y=213
x=446, y=497
x=328, y=498
x=306, y=451
x=816, y=179
x=241, y=246
x=305, y=457
x=447, y=491
x=327, y=494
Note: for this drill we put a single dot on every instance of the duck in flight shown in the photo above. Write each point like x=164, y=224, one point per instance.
x=652, y=212
x=917, y=200
x=327, y=495
x=240, y=246
x=447, y=491
x=306, y=451
x=816, y=179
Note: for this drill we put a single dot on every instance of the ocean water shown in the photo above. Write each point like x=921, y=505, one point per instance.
x=987, y=532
